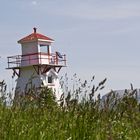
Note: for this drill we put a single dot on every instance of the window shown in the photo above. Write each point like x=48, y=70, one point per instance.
x=50, y=79
x=43, y=48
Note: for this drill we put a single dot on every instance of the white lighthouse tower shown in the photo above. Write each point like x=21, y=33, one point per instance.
x=37, y=66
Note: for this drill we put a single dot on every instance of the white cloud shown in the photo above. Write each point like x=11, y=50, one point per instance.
x=34, y=2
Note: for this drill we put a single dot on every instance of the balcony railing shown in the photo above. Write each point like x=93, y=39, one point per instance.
x=36, y=59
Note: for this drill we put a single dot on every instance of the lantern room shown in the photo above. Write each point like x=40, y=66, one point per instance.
x=36, y=50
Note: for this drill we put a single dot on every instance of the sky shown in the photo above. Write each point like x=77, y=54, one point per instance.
x=99, y=37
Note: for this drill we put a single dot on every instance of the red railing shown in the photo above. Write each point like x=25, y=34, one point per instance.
x=36, y=59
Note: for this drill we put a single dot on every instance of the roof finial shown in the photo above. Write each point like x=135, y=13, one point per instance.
x=35, y=29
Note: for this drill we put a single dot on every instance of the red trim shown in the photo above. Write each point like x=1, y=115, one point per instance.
x=34, y=37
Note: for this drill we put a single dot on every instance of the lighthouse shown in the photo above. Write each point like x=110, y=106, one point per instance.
x=37, y=66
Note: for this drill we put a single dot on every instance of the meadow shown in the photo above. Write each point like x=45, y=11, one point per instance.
x=38, y=117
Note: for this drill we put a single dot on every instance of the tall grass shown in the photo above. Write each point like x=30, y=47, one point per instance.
x=38, y=117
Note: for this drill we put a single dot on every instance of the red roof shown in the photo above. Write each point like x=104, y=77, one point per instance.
x=35, y=37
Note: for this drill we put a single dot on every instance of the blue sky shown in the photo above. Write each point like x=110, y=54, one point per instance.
x=99, y=37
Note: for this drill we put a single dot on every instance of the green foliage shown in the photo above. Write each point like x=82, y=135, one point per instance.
x=40, y=118
x=36, y=98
